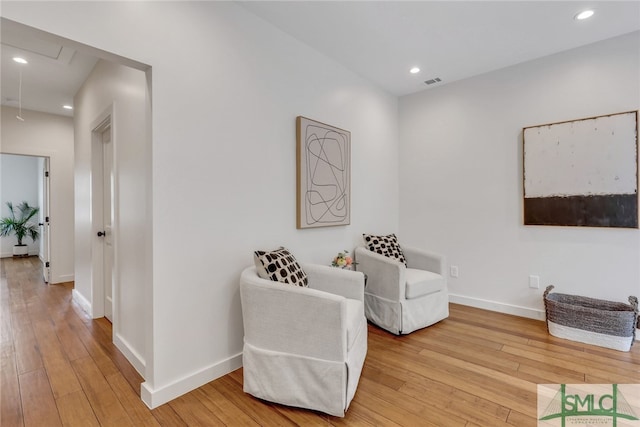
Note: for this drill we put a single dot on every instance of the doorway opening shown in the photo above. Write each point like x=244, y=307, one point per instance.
x=112, y=194
x=25, y=178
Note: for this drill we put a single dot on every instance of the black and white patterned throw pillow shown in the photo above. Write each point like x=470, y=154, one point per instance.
x=280, y=266
x=385, y=245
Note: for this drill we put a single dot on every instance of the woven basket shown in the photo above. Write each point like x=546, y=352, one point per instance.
x=591, y=321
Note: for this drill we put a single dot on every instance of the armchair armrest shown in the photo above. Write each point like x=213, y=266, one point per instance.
x=423, y=260
x=346, y=283
x=386, y=277
x=291, y=319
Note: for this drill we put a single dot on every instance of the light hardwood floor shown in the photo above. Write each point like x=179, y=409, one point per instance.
x=476, y=368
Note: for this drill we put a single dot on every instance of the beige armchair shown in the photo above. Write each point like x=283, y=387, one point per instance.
x=304, y=346
x=402, y=298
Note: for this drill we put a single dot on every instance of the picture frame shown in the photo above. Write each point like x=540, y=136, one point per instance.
x=323, y=174
x=582, y=172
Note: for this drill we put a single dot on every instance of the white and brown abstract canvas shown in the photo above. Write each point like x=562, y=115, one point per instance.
x=582, y=172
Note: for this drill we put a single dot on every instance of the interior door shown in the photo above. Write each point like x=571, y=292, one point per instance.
x=107, y=194
x=44, y=222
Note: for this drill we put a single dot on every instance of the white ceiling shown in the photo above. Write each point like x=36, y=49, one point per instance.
x=452, y=40
x=379, y=40
x=53, y=75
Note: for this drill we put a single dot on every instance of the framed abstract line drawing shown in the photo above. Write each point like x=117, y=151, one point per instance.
x=582, y=172
x=323, y=174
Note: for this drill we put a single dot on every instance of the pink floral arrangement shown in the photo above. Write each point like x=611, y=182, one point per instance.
x=342, y=260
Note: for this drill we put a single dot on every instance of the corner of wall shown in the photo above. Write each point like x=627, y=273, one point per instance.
x=84, y=304
x=156, y=397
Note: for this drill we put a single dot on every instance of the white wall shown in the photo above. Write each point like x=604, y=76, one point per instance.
x=461, y=178
x=227, y=88
x=18, y=183
x=48, y=135
x=120, y=91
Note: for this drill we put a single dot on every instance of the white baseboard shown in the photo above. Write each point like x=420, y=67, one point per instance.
x=500, y=307
x=66, y=278
x=132, y=356
x=10, y=254
x=154, y=398
x=82, y=302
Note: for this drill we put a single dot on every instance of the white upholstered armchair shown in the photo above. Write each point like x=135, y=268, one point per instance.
x=402, y=298
x=304, y=346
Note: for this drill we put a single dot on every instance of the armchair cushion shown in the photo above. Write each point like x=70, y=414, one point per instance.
x=422, y=282
x=280, y=266
x=385, y=245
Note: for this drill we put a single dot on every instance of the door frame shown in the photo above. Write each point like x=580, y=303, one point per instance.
x=47, y=155
x=45, y=235
x=98, y=125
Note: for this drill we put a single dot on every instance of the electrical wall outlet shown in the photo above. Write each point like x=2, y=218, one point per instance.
x=453, y=271
x=534, y=282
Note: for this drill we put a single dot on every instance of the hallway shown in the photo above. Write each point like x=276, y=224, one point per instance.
x=58, y=365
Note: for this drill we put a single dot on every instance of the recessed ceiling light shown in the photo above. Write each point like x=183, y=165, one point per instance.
x=414, y=70
x=20, y=60
x=67, y=107
x=584, y=15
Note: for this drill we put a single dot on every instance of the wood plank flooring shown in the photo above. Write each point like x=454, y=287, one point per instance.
x=476, y=368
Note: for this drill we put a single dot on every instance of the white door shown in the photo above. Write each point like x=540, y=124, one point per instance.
x=107, y=205
x=44, y=223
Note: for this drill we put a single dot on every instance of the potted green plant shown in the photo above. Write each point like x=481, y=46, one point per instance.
x=19, y=223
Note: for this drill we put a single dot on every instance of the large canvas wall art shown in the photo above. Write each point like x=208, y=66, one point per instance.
x=582, y=172
x=323, y=174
